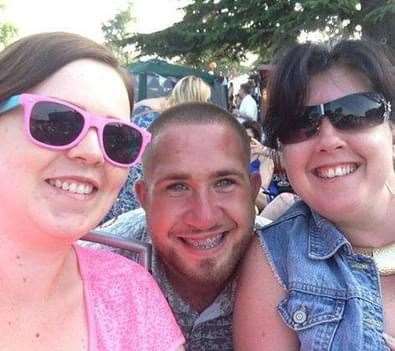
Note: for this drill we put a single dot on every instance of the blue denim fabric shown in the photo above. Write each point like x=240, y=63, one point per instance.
x=334, y=300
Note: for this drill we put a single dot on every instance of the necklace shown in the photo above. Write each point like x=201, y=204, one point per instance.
x=384, y=257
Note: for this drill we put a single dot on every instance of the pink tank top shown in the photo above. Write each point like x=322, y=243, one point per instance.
x=125, y=308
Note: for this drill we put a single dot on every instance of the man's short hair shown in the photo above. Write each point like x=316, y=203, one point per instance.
x=198, y=113
x=246, y=87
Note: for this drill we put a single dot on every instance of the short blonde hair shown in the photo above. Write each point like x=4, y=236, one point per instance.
x=190, y=89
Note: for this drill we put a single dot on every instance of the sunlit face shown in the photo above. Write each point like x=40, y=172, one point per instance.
x=341, y=174
x=31, y=201
x=199, y=200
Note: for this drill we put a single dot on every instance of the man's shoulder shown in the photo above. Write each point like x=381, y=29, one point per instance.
x=129, y=225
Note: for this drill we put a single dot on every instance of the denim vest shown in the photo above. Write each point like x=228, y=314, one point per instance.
x=333, y=297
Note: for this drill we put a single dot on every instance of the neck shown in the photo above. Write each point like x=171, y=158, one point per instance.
x=199, y=295
x=31, y=273
x=376, y=227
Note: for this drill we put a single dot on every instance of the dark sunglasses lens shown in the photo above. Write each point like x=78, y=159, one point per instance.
x=303, y=128
x=122, y=143
x=55, y=124
x=357, y=111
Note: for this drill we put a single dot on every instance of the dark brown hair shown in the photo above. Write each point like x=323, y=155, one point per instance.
x=30, y=60
x=246, y=87
x=255, y=127
x=290, y=80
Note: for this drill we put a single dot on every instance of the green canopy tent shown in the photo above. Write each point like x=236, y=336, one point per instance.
x=156, y=78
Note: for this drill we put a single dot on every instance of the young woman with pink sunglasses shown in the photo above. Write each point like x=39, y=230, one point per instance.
x=65, y=147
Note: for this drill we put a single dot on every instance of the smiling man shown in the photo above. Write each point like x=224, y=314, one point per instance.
x=198, y=197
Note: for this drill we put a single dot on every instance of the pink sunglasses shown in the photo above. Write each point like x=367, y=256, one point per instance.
x=59, y=125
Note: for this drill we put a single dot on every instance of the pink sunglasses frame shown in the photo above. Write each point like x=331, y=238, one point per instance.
x=90, y=120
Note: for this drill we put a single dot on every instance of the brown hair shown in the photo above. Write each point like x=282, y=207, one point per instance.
x=291, y=77
x=32, y=59
x=246, y=87
x=255, y=127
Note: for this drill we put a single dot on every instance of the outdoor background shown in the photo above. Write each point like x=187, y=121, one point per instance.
x=226, y=37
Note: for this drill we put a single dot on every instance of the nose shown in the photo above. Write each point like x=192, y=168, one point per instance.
x=329, y=138
x=88, y=150
x=203, y=212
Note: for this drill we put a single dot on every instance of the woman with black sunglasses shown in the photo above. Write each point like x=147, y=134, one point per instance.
x=322, y=277
x=65, y=147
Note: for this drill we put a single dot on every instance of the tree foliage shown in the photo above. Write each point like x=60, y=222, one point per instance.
x=228, y=29
x=7, y=31
x=116, y=31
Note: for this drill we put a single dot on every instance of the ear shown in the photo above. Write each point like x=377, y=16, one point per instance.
x=255, y=180
x=141, y=191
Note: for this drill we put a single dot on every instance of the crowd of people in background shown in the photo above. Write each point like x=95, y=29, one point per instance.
x=271, y=224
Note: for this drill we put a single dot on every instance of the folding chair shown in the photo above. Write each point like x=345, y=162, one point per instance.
x=133, y=249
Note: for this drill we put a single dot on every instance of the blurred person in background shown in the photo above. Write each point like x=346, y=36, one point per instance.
x=248, y=108
x=261, y=161
x=270, y=203
x=187, y=89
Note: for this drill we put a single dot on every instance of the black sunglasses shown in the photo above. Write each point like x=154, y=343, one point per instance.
x=351, y=112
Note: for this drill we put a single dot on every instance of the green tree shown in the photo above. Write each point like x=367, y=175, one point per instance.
x=213, y=30
x=116, y=31
x=7, y=31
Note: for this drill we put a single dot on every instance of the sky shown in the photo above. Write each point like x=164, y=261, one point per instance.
x=85, y=16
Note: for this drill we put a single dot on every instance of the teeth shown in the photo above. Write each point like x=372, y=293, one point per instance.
x=337, y=171
x=331, y=173
x=205, y=244
x=80, y=188
x=72, y=187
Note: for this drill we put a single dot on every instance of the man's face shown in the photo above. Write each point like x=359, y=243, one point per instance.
x=199, y=200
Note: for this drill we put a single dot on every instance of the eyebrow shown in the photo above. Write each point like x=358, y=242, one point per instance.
x=229, y=172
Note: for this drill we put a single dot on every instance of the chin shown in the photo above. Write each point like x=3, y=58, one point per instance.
x=337, y=211
x=69, y=232
x=214, y=272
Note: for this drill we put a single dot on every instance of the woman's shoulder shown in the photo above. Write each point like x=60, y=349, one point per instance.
x=101, y=265
x=297, y=215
